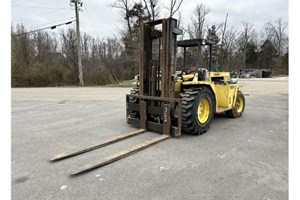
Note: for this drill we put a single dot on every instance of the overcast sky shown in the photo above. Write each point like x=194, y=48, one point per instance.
x=99, y=19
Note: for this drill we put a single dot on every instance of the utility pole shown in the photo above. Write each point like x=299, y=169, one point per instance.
x=222, y=42
x=80, y=74
x=225, y=24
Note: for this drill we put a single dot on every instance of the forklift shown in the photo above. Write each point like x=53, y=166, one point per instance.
x=167, y=101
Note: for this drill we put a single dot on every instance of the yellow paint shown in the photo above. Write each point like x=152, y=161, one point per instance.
x=188, y=77
x=224, y=93
x=178, y=88
x=203, y=111
x=239, y=104
x=219, y=74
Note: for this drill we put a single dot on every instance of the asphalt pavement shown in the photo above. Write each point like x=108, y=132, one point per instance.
x=243, y=159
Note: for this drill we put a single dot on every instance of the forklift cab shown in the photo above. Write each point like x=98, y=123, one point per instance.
x=199, y=42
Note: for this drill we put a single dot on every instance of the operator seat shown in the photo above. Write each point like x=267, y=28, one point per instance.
x=202, y=73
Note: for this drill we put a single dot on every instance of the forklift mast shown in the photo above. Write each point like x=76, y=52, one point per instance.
x=152, y=71
x=157, y=109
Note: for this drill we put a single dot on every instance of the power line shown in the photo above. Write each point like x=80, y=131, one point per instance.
x=51, y=27
x=54, y=22
x=36, y=4
x=40, y=7
x=39, y=4
x=24, y=1
x=43, y=14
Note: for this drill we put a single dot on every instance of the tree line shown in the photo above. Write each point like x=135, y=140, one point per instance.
x=50, y=59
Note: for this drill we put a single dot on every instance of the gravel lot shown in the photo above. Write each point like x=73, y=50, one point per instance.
x=244, y=158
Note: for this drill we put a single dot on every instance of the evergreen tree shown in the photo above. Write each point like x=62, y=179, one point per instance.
x=251, y=55
x=214, y=39
x=268, y=51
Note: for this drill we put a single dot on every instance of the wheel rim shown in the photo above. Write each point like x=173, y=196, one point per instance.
x=239, y=104
x=203, y=111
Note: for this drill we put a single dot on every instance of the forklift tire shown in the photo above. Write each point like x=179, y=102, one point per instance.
x=239, y=107
x=134, y=91
x=197, y=110
x=132, y=113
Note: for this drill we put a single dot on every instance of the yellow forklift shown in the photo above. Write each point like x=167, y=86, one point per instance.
x=167, y=101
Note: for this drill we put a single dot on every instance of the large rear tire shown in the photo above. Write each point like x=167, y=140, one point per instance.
x=239, y=107
x=197, y=110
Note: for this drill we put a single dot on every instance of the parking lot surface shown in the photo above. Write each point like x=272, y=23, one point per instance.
x=243, y=158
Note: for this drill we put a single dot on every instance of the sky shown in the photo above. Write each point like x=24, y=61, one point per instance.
x=98, y=18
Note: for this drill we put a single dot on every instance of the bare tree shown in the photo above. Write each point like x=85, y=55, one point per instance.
x=180, y=25
x=68, y=49
x=45, y=46
x=224, y=30
x=85, y=47
x=153, y=8
x=196, y=29
x=246, y=36
x=228, y=48
x=125, y=6
x=276, y=32
x=22, y=56
x=220, y=29
x=174, y=7
x=131, y=11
